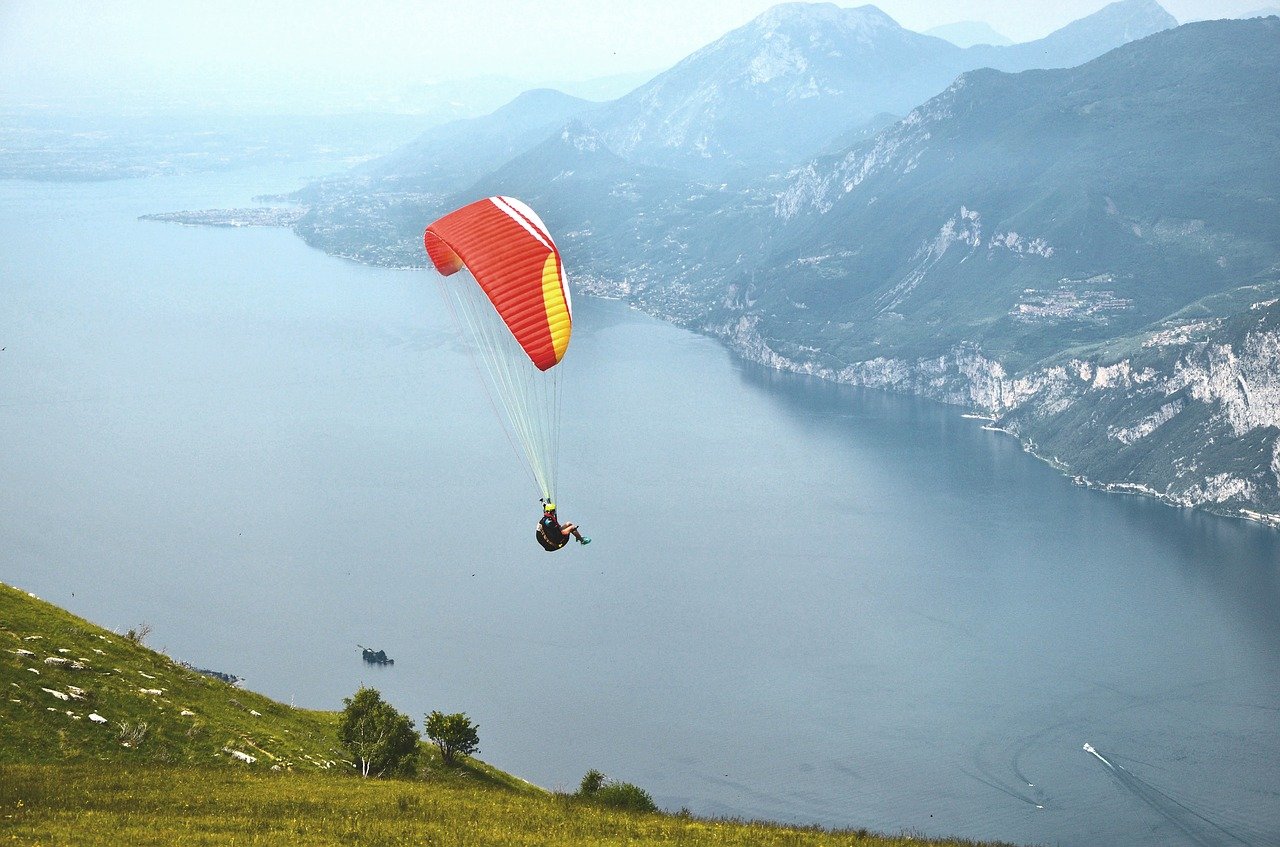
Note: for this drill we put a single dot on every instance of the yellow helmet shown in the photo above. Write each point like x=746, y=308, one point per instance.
x=549, y=507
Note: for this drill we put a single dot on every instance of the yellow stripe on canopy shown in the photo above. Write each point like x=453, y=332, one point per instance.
x=558, y=319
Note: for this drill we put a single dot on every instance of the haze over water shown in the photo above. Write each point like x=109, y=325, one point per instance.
x=803, y=602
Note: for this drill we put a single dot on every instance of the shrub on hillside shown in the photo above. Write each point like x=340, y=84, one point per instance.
x=598, y=788
x=138, y=635
x=624, y=795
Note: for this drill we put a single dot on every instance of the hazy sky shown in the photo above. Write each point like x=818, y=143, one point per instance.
x=52, y=47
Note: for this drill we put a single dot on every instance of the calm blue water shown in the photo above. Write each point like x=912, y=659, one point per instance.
x=803, y=602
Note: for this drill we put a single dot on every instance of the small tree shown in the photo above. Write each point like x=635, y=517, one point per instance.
x=453, y=734
x=592, y=782
x=382, y=740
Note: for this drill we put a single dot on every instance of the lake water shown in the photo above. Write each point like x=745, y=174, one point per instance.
x=803, y=602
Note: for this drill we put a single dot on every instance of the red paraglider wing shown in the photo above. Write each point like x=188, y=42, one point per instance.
x=509, y=252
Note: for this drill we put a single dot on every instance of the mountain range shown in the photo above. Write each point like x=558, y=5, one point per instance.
x=1139, y=182
x=781, y=88
x=799, y=80
x=1061, y=248
x=778, y=89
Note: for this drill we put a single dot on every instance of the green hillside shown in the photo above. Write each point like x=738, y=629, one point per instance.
x=78, y=693
x=81, y=694
x=77, y=766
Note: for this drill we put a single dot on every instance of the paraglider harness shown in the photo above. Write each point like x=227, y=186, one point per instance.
x=549, y=534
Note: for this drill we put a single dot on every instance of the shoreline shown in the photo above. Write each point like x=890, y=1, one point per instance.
x=767, y=357
x=776, y=361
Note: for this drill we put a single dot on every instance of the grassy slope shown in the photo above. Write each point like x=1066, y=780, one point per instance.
x=65, y=779
x=115, y=680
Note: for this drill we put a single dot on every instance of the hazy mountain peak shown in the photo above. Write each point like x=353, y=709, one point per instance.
x=539, y=104
x=1138, y=18
x=1144, y=7
x=820, y=20
x=969, y=33
x=542, y=95
x=1078, y=42
x=790, y=44
x=451, y=156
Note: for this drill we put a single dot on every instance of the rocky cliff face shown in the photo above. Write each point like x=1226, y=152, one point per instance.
x=1192, y=416
x=1185, y=417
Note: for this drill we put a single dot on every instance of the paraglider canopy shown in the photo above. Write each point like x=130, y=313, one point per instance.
x=503, y=280
x=506, y=247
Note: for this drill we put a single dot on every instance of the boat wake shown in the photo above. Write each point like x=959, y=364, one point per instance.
x=1003, y=789
x=1199, y=828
